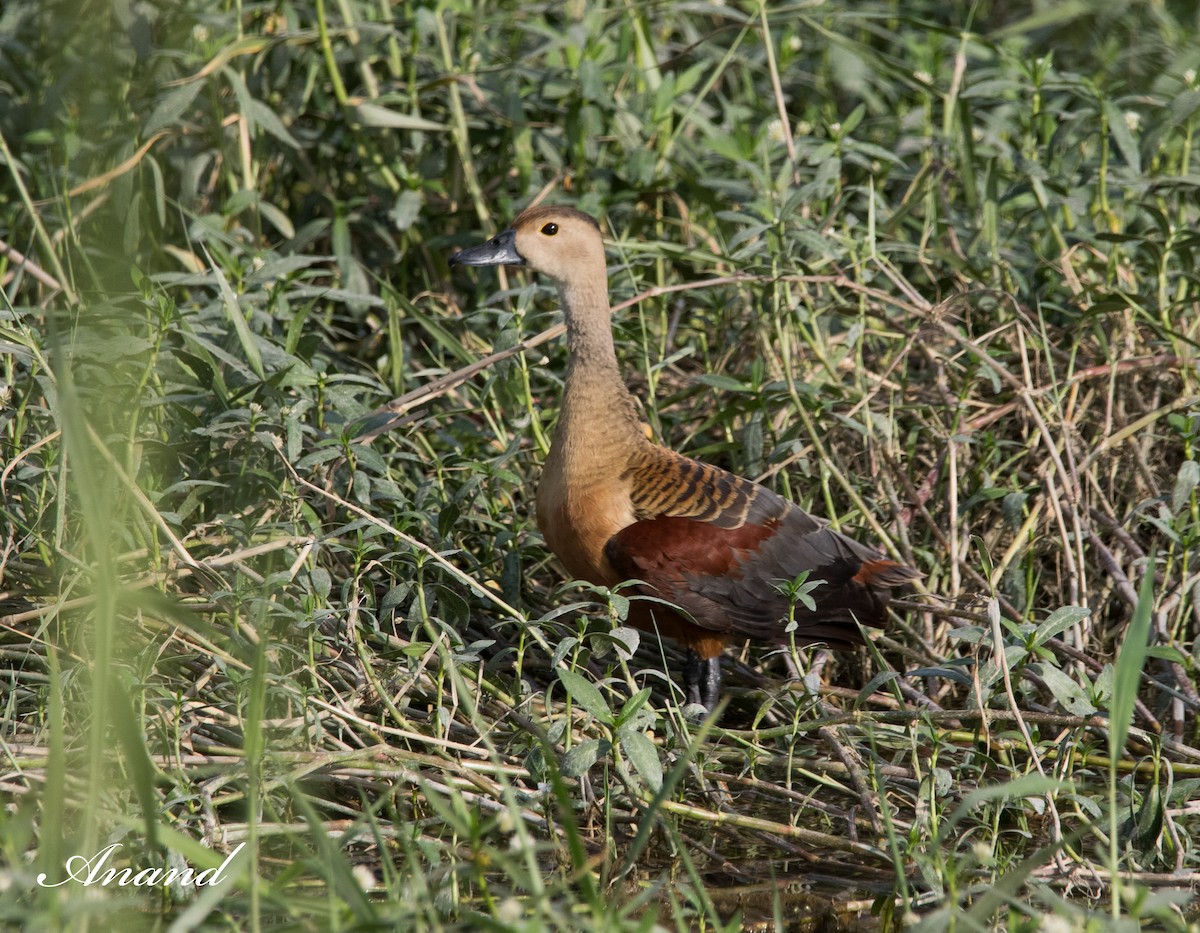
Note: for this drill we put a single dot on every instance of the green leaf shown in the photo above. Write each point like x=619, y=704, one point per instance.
x=563, y=648
x=374, y=115
x=585, y=694
x=233, y=311
x=641, y=751
x=256, y=112
x=723, y=383
x=850, y=124
x=1185, y=482
x=1058, y=622
x=171, y=106
x=949, y=673
x=406, y=210
x=1014, y=655
x=322, y=582
x=633, y=704
x=1127, y=672
x=1030, y=785
x=1123, y=136
x=579, y=759
x=1167, y=653
x=619, y=606
x=1069, y=694
x=1054, y=14
x=277, y=219
x=627, y=640
x=1147, y=823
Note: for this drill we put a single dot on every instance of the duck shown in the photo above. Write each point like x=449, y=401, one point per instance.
x=714, y=552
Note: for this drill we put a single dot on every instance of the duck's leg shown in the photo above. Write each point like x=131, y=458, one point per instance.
x=702, y=679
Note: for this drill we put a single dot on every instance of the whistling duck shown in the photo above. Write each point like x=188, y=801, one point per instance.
x=614, y=506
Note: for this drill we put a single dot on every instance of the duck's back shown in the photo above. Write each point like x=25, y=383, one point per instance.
x=723, y=548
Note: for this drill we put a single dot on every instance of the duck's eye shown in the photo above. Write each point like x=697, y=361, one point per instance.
x=550, y=229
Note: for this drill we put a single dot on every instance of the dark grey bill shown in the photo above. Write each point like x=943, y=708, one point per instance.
x=500, y=250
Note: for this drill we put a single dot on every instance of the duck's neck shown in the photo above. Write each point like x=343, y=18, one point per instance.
x=589, y=330
x=599, y=418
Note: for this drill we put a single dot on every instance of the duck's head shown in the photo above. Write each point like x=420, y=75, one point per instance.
x=559, y=242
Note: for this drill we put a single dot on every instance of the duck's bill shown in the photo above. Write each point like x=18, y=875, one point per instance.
x=500, y=250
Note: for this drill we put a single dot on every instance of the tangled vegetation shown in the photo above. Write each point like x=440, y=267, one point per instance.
x=268, y=569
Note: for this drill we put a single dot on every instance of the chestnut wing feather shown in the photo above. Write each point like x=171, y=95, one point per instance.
x=719, y=547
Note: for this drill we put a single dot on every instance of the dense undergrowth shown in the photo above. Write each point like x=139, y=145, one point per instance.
x=268, y=568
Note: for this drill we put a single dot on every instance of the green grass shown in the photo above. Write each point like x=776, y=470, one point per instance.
x=929, y=270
